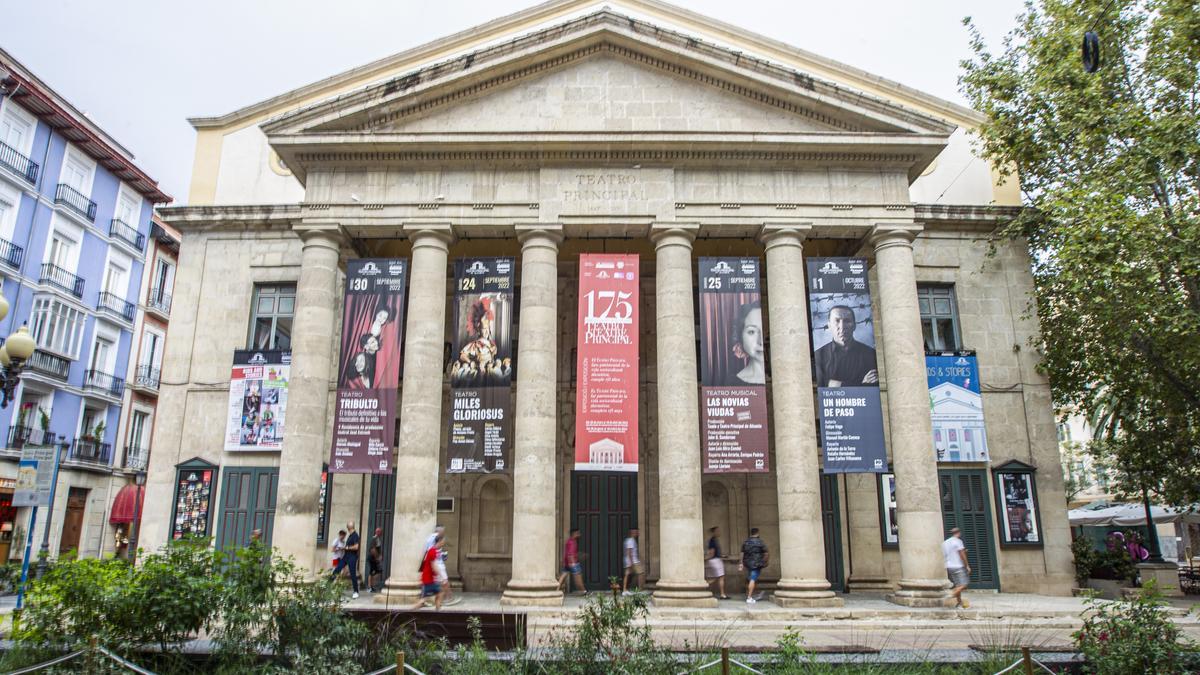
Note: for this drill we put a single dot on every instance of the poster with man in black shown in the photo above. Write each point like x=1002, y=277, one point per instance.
x=482, y=366
x=845, y=366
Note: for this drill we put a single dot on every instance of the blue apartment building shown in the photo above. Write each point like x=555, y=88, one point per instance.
x=75, y=224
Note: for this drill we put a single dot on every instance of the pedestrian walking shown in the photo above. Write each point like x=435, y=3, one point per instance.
x=755, y=557
x=430, y=588
x=375, y=562
x=349, y=560
x=957, y=567
x=714, y=565
x=633, y=562
x=338, y=547
x=572, y=568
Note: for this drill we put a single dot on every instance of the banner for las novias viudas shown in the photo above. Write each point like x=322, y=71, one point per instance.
x=364, y=417
x=481, y=375
x=606, y=403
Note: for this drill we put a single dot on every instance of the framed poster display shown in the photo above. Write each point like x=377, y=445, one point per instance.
x=1016, y=504
x=889, y=526
x=191, y=511
x=323, y=505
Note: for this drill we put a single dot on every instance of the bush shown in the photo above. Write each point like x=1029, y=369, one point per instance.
x=1085, y=560
x=1132, y=636
x=611, y=635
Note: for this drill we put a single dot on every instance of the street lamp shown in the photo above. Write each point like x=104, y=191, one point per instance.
x=139, y=480
x=13, y=353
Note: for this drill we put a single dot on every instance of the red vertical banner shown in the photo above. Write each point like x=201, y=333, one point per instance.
x=606, y=396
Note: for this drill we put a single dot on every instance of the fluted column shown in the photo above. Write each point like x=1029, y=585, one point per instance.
x=681, y=532
x=305, y=445
x=797, y=474
x=534, y=557
x=420, y=411
x=922, y=573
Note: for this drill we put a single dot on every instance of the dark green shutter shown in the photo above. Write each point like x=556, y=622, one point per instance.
x=965, y=504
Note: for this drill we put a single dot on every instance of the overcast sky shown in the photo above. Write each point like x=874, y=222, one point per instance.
x=141, y=67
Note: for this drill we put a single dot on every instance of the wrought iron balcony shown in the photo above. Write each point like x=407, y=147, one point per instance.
x=56, y=276
x=127, y=233
x=22, y=165
x=159, y=301
x=119, y=306
x=11, y=254
x=87, y=449
x=147, y=377
x=111, y=385
x=18, y=436
x=49, y=364
x=135, y=458
x=76, y=201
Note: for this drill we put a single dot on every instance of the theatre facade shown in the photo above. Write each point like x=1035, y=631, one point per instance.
x=610, y=267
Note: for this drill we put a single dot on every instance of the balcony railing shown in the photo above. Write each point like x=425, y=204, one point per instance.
x=104, y=383
x=18, y=436
x=135, y=458
x=76, y=201
x=25, y=167
x=11, y=254
x=90, y=450
x=159, y=300
x=56, y=276
x=128, y=233
x=119, y=306
x=147, y=377
x=49, y=364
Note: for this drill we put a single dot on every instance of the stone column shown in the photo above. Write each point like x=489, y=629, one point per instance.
x=534, y=556
x=420, y=410
x=797, y=474
x=922, y=573
x=681, y=532
x=306, y=445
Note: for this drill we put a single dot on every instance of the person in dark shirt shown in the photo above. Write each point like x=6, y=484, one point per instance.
x=714, y=566
x=375, y=562
x=349, y=559
x=755, y=557
x=845, y=362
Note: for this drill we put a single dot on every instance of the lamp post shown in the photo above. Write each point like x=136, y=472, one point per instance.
x=139, y=480
x=1151, y=531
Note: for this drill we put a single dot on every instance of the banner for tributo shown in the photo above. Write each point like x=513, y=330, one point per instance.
x=956, y=407
x=606, y=403
x=480, y=379
x=258, y=392
x=733, y=370
x=364, y=417
x=847, y=373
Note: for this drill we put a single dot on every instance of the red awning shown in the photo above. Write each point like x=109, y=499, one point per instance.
x=128, y=502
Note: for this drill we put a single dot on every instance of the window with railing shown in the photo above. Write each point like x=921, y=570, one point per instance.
x=75, y=201
x=117, y=305
x=57, y=326
x=147, y=377
x=124, y=231
x=58, y=277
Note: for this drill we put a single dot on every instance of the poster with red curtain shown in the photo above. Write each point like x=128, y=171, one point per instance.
x=364, y=417
x=733, y=367
x=606, y=397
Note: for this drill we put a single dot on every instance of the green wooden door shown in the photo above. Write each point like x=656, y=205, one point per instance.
x=383, y=506
x=247, y=503
x=831, y=523
x=603, y=507
x=965, y=505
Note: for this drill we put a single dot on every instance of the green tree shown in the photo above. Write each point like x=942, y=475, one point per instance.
x=1109, y=164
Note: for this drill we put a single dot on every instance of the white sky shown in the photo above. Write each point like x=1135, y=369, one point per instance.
x=139, y=68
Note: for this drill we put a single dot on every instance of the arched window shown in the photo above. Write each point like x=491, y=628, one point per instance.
x=495, y=517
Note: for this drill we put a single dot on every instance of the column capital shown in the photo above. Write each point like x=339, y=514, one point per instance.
x=784, y=234
x=534, y=236
x=438, y=234
x=321, y=233
x=885, y=235
x=673, y=234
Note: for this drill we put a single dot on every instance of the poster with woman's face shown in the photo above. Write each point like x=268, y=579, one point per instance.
x=733, y=366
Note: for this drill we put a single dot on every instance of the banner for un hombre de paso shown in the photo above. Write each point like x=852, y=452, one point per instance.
x=481, y=375
x=847, y=372
x=364, y=415
x=733, y=367
x=606, y=403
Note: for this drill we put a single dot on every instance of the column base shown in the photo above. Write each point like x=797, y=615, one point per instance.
x=805, y=593
x=399, y=593
x=535, y=593
x=870, y=584
x=923, y=593
x=683, y=594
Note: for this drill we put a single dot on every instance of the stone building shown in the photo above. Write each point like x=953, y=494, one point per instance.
x=492, y=142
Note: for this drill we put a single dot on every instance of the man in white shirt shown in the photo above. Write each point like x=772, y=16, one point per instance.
x=957, y=567
x=633, y=562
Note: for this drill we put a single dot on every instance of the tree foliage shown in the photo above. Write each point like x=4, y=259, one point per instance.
x=1109, y=164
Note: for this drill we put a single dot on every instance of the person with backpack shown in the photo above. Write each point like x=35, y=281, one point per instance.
x=755, y=557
